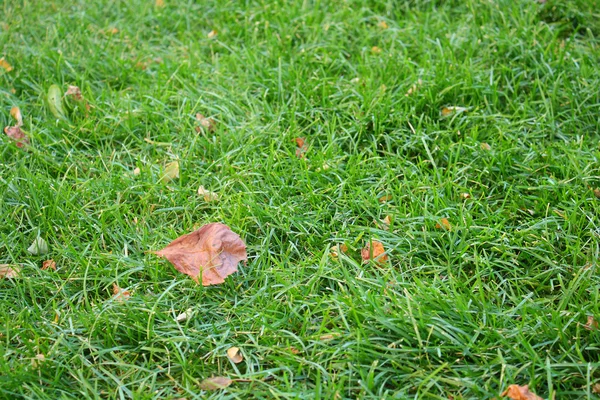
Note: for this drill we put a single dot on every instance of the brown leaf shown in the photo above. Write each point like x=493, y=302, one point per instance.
x=591, y=324
x=385, y=198
x=386, y=222
x=207, y=194
x=9, y=271
x=213, y=251
x=301, y=147
x=465, y=196
x=215, y=383
x=235, y=355
x=49, y=264
x=597, y=192
x=137, y=171
x=208, y=124
x=159, y=3
x=596, y=388
x=376, y=250
x=516, y=392
x=15, y=112
x=4, y=64
x=37, y=361
x=294, y=350
x=75, y=92
x=16, y=134
x=414, y=88
x=444, y=224
x=446, y=111
x=120, y=294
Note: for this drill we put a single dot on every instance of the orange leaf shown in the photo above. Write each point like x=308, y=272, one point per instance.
x=159, y=3
x=302, y=147
x=375, y=50
x=444, y=224
x=377, y=254
x=215, y=383
x=382, y=24
x=516, y=392
x=211, y=34
x=4, y=64
x=120, y=294
x=208, y=124
x=49, y=264
x=235, y=355
x=213, y=250
x=446, y=111
x=385, y=198
x=75, y=92
x=591, y=324
x=16, y=134
x=15, y=112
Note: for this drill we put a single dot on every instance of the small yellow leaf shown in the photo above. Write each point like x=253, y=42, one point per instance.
x=4, y=64
x=160, y=3
x=387, y=221
x=207, y=194
x=382, y=24
x=235, y=355
x=446, y=111
x=137, y=171
x=597, y=192
x=444, y=224
x=485, y=146
x=171, y=172
x=211, y=34
x=465, y=196
x=55, y=101
x=385, y=198
x=376, y=50
x=15, y=112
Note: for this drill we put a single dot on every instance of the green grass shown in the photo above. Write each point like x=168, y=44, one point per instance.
x=501, y=298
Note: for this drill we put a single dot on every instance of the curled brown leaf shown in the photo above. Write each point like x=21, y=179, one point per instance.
x=9, y=271
x=374, y=251
x=516, y=392
x=235, y=355
x=49, y=264
x=207, y=124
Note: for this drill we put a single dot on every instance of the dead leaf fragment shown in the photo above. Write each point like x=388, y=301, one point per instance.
x=301, y=147
x=597, y=192
x=329, y=336
x=294, y=350
x=54, y=98
x=444, y=224
x=211, y=34
x=387, y=221
x=485, y=146
x=37, y=361
x=516, y=392
x=591, y=324
x=137, y=171
x=235, y=355
x=382, y=24
x=446, y=111
x=9, y=271
x=171, y=172
x=5, y=65
x=207, y=194
x=38, y=247
x=414, y=88
x=465, y=196
x=15, y=112
x=596, y=388
x=184, y=315
x=74, y=92
x=213, y=251
x=376, y=50
x=16, y=134
x=386, y=198
x=120, y=294
x=374, y=251
x=215, y=383
x=49, y=264
x=207, y=124
x=159, y=3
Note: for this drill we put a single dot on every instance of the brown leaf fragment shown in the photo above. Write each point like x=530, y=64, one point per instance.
x=5, y=65
x=120, y=294
x=446, y=111
x=171, y=172
x=329, y=336
x=137, y=171
x=213, y=251
x=591, y=324
x=37, y=361
x=294, y=350
x=382, y=24
x=215, y=383
x=235, y=355
x=49, y=264
x=16, y=134
x=15, y=112
x=206, y=124
x=386, y=198
x=465, y=196
x=376, y=50
x=444, y=224
x=207, y=194
x=301, y=147
x=74, y=92
x=597, y=192
x=374, y=251
x=159, y=3
x=596, y=388
x=485, y=146
x=212, y=34
x=414, y=88
x=516, y=392
x=386, y=222
x=9, y=271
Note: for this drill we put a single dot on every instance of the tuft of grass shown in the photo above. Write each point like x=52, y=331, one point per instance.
x=500, y=297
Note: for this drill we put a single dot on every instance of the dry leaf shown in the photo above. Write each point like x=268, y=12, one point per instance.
x=38, y=360
x=120, y=294
x=374, y=251
x=387, y=221
x=383, y=25
x=465, y=196
x=211, y=34
x=591, y=324
x=235, y=355
x=171, y=172
x=113, y=31
x=414, y=88
x=16, y=134
x=444, y=224
x=9, y=271
x=208, y=124
x=385, y=198
x=446, y=111
x=207, y=194
x=215, y=383
x=160, y=3
x=184, y=315
x=329, y=336
x=5, y=65
x=213, y=251
x=597, y=192
x=55, y=101
x=485, y=146
x=596, y=388
x=375, y=50
x=15, y=112
x=516, y=392
x=49, y=264
x=301, y=147
x=137, y=171
x=75, y=92
x=38, y=247
x=294, y=350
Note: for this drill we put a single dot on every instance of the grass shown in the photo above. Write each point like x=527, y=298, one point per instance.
x=500, y=298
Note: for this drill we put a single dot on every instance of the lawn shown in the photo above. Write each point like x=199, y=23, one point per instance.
x=464, y=136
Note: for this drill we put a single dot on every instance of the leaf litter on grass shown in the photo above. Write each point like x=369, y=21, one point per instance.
x=516, y=392
x=235, y=355
x=9, y=271
x=15, y=132
x=215, y=383
x=375, y=251
x=54, y=98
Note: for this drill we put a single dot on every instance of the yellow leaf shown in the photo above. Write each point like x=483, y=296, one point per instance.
x=382, y=24
x=376, y=50
x=446, y=111
x=160, y=3
x=171, y=172
x=444, y=224
x=235, y=355
x=211, y=34
x=15, y=112
x=207, y=194
x=4, y=64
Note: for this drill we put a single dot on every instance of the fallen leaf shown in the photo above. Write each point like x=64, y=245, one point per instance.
x=184, y=315
x=49, y=264
x=211, y=34
x=376, y=50
x=120, y=294
x=382, y=24
x=301, y=147
x=15, y=112
x=137, y=171
x=446, y=111
x=465, y=196
x=38, y=360
x=213, y=251
x=55, y=101
x=207, y=194
x=444, y=224
x=596, y=388
x=597, y=192
x=329, y=336
x=74, y=92
x=171, y=172
x=5, y=65
x=414, y=88
x=38, y=247
x=591, y=324
x=160, y=3
x=385, y=198
x=294, y=350
x=387, y=221
x=215, y=383
x=208, y=124
x=16, y=134
x=235, y=355
x=485, y=146
x=374, y=251
x=516, y=392
x=9, y=271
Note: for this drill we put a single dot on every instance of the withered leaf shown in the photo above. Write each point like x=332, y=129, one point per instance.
x=74, y=92
x=16, y=134
x=382, y=24
x=15, y=112
x=159, y=3
x=376, y=50
x=235, y=355
x=213, y=251
x=447, y=111
x=211, y=34
x=9, y=271
x=49, y=264
x=37, y=361
x=301, y=147
x=207, y=194
x=485, y=146
x=215, y=383
x=5, y=65
x=591, y=324
x=596, y=388
x=597, y=192
x=208, y=124
x=374, y=251
x=184, y=315
x=516, y=392
x=444, y=224
x=385, y=198
x=171, y=172
x=120, y=294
